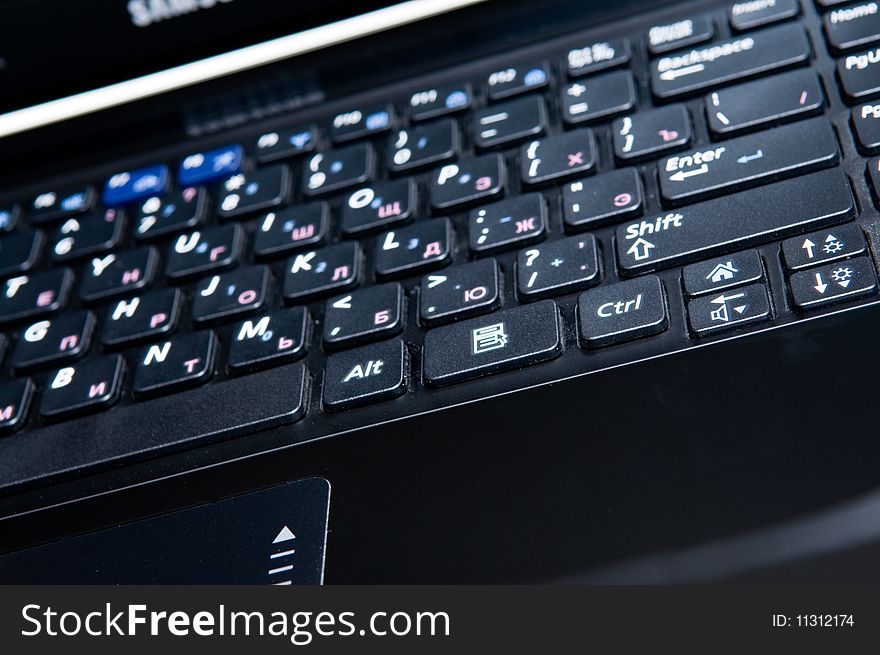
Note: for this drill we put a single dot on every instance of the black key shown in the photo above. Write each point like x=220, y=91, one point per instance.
x=512, y=222
x=246, y=193
x=748, y=161
x=378, y=206
x=279, y=233
x=773, y=100
x=599, y=97
x=419, y=247
x=359, y=123
x=176, y=212
x=184, y=361
x=649, y=133
x=25, y=296
x=423, y=145
x=509, y=339
x=365, y=375
x=366, y=315
x=142, y=318
x=723, y=273
x=468, y=182
x=733, y=308
x=866, y=124
x=825, y=246
x=509, y=122
x=834, y=283
x=558, y=156
x=557, y=267
x=15, y=401
x=322, y=272
x=516, y=79
x=605, y=198
x=52, y=342
x=439, y=101
x=756, y=13
x=228, y=295
x=852, y=26
x=338, y=169
x=873, y=167
x=459, y=292
x=116, y=275
x=9, y=215
x=622, y=312
x=270, y=340
x=597, y=56
x=19, y=251
x=680, y=34
x=203, y=251
x=768, y=212
x=726, y=61
x=87, y=235
x=284, y=144
x=51, y=205
x=860, y=74
x=86, y=387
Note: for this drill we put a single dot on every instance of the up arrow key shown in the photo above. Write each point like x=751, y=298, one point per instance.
x=808, y=246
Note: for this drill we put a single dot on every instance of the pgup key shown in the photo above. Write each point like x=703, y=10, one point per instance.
x=365, y=315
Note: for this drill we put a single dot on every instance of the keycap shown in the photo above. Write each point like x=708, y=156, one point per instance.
x=52, y=205
x=422, y=145
x=87, y=235
x=680, y=34
x=231, y=294
x=118, y=274
x=20, y=251
x=623, y=311
x=284, y=144
x=597, y=56
x=824, y=4
x=210, y=166
x=508, y=339
x=15, y=401
x=270, y=340
x=365, y=375
x=748, y=160
x=53, y=342
x=85, y=387
x=203, y=251
x=9, y=215
x=860, y=74
x=439, y=101
x=557, y=267
x=142, y=318
x=26, y=296
x=178, y=211
x=765, y=101
x=338, y=169
x=469, y=181
x=379, y=206
x=509, y=122
x=726, y=61
x=598, y=97
x=732, y=308
x=852, y=26
x=866, y=125
x=287, y=230
x=650, y=133
x=601, y=199
x=246, y=193
x=409, y=250
x=769, y=212
x=558, y=156
x=511, y=222
x=459, y=292
x=873, y=168
x=322, y=272
x=181, y=362
x=130, y=186
x=515, y=80
x=364, y=315
x=833, y=283
x=756, y=13
x=358, y=123
x=723, y=273
x=826, y=246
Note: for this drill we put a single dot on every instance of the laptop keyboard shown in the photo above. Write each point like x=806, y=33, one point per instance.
x=592, y=202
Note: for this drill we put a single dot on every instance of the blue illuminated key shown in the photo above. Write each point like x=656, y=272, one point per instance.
x=129, y=186
x=211, y=165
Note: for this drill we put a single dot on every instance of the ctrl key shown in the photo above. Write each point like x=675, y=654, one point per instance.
x=621, y=312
